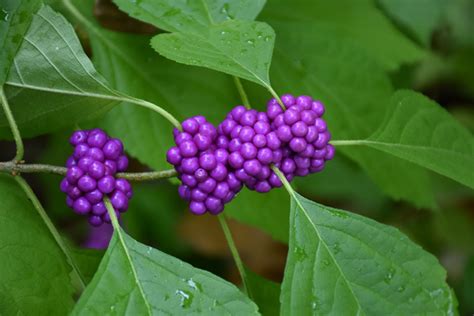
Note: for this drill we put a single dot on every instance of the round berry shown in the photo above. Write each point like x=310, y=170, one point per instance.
x=97, y=139
x=86, y=183
x=81, y=206
x=78, y=137
x=96, y=170
x=106, y=184
x=73, y=174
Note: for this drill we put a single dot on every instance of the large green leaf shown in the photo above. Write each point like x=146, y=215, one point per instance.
x=355, y=90
x=419, y=130
x=212, y=34
x=239, y=48
x=52, y=83
x=358, y=22
x=15, y=17
x=420, y=17
x=340, y=263
x=138, y=280
x=131, y=66
x=33, y=271
x=190, y=16
x=265, y=293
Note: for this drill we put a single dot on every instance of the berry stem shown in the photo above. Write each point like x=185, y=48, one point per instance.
x=17, y=168
x=354, y=142
x=14, y=128
x=243, y=94
x=277, y=97
x=157, y=109
x=57, y=237
x=235, y=253
x=111, y=211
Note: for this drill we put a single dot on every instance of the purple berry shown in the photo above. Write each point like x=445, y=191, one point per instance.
x=73, y=174
x=97, y=139
x=188, y=149
x=122, y=163
x=198, y=208
x=96, y=154
x=99, y=209
x=80, y=151
x=96, y=170
x=94, y=196
x=82, y=206
x=113, y=149
x=86, y=183
x=190, y=126
x=95, y=220
x=208, y=161
x=84, y=163
x=119, y=200
x=106, y=184
x=78, y=137
x=173, y=156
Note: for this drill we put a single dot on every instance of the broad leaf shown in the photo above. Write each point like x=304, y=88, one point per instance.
x=88, y=261
x=212, y=34
x=138, y=280
x=419, y=130
x=265, y=293
x=340, y=263
x=52, y=83
x=131, y=66
x=355, y=91
x=15, y=17
x=420, y=18
x=33, y=271
x=357, y=22
x=190, y=16
x=239, y=48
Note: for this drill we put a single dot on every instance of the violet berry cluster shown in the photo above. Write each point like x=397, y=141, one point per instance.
x=214, y=164
x=91, y=174
x=207, y=181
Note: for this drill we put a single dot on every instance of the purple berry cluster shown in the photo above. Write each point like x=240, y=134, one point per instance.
x=91, y=175
x=303, y=134
x=207, y=181
x=214, y=164
x=253, y=147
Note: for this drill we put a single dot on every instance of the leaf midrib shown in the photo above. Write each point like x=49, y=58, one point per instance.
x=298, y=202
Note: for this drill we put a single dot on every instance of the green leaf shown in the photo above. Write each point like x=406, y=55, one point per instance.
x=190, y=16
x=419, y=130
x=52, y=83
x=265, y=293
x=239, y=48
x=420, y=18
x=212, y=34
x=33, y=270
x=15, y=17
x=88, y=261
x=341, y=263
x=359, y=23
x=139, y=280
x=269, y=212
x=355, y=90
x=122, y=59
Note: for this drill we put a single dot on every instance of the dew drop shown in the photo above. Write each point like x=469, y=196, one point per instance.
x=401, y=288
x=326, y=262
x=388, y=278
x=186, y=298
x=336, y=248
x=250, y=42
x=148, y=251
x=4, y=15
x=267, y=38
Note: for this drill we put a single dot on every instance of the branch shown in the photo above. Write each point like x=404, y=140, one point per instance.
x=17, y=168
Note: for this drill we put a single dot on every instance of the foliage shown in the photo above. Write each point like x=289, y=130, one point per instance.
x=389, y=143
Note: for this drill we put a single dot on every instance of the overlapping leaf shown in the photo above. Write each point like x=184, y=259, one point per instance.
x=52, y=83
x=33, y=270
x=419, y=130
x=139, y=280
x=341, y=263
x=355, y=91
x=213, y=34
x=356, y=22
x=15, y=17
